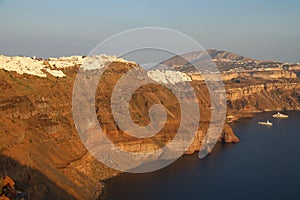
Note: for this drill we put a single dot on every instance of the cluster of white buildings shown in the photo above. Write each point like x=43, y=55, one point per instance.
x=54, y=66
x=168, y=76
x=22, y=65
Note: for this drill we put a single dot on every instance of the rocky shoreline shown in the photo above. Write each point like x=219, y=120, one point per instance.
x=38, y=131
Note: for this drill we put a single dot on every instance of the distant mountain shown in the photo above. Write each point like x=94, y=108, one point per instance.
x=219, y=55
x=223, y=59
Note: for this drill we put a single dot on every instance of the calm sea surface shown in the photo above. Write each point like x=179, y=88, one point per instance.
x=264, y=165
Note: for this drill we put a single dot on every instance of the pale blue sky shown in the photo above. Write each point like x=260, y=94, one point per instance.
x=259, y=29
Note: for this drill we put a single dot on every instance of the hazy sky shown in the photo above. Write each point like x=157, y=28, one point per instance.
x=260, y=29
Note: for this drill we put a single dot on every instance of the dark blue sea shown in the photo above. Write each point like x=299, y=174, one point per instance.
x=264, y=165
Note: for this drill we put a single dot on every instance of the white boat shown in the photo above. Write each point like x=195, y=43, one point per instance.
x=280, y=115
x=267, y=123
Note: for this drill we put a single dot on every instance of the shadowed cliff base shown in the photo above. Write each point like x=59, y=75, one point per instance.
x=31, y=181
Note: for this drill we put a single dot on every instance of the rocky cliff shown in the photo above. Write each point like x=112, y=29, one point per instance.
x=253, y=96
x=37, y=129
